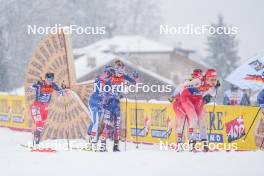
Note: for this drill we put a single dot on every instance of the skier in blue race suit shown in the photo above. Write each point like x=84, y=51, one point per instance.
x=112, y=108
x=96, y=104
x=260, y=100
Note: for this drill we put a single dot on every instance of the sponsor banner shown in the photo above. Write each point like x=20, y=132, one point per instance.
x=13, y=112
x=227, y=125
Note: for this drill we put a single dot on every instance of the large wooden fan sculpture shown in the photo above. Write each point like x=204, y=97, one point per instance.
x=68, y=116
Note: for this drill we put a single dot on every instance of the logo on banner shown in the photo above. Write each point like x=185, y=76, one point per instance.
x=18, y=119
x=138, y=132
x=257, y=65
x=235, y=129
x=159, y=134
x=4, y=118
x=216, y=124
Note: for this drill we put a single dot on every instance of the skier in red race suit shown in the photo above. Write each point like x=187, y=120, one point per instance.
x=190, y=105
x=39, y=108
x=181, y=118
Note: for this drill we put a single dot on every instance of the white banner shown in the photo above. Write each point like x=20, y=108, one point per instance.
x=249, y=75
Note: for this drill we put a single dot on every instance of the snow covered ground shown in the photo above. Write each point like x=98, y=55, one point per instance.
x=147, y=160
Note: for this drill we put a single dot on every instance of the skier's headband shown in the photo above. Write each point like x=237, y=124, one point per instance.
x=197, y=73
x=211, y=73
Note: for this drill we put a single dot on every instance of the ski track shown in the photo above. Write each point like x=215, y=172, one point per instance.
x=147, y=160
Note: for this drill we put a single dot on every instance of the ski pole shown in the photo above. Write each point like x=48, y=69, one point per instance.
x=126, y=126
x=262, y=143
x=33, y=139
x=166, y=134
x=211, y=123
x=244, y=139
x=183, y=128
x=67, y=131
x=164, y=109
x=63, y=86
x=136, y=122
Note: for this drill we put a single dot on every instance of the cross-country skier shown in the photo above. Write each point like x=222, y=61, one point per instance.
x=181, y=119
x=118, y=80
x=39, y=108
x=209, y=92
x=192, y=101
x=97, y=103
x=260, y=100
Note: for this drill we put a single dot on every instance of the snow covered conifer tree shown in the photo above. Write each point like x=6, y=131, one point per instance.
x=222, y=48
x=3, y=64
x=222, y=51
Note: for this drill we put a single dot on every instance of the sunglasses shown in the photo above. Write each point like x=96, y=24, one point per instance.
x=212, y=79
x=50, y=78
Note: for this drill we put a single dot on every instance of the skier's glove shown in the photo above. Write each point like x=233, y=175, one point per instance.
x=207, y=98
x=39, y=82
x=171, y=99
x=135, y=74
x=218, y=84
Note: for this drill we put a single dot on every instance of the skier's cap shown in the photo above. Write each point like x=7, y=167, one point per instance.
x=197, y=73
x=49, y=76
x=211, y=73
x=119, y=63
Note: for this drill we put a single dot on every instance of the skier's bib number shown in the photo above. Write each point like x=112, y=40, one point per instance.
x=36, y=113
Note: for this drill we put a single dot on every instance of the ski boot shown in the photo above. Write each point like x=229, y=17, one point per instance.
x=180, y=143
x=116, y=146
x=37, y=134
x=205, y=145
x=94, y=146
x=88, y=140
x=192, y=146
x=103, y=146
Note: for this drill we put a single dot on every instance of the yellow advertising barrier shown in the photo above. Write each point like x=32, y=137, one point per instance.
x=13, y=112
x=229, y=124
